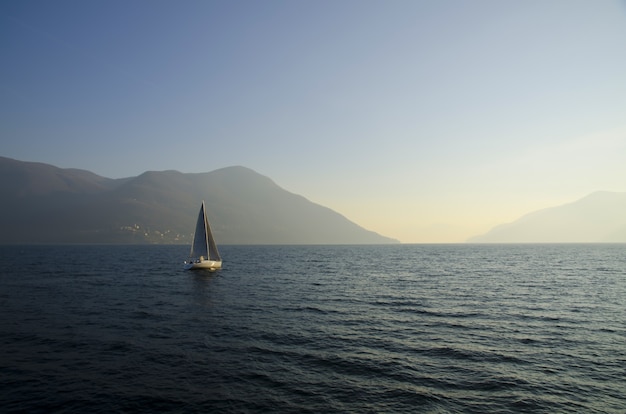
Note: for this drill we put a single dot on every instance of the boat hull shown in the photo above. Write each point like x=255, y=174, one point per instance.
x=204, y=265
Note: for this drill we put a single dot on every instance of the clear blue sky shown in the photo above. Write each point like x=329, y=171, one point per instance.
x=424, y=120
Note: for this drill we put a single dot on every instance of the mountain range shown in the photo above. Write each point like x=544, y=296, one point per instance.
x=599, y=217
x=46, y=204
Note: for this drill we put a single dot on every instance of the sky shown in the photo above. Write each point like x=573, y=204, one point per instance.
x=429, y=121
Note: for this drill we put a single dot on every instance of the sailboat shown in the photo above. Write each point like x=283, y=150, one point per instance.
x=204, y=253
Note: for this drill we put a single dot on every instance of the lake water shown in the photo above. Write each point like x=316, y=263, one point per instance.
x=319, y=329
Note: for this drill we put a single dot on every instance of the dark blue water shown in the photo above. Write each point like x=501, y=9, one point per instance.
x=404, y=328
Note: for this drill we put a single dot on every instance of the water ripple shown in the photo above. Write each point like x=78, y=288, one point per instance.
x=434, y=329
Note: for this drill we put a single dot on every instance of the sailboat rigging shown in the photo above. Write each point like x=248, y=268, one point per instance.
x=204, y=253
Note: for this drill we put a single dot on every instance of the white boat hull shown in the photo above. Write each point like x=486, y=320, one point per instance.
x=203, y=265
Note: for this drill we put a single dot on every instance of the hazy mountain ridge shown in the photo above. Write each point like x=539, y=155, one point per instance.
x=21, y=178
x=46, y=204
x=599, y=217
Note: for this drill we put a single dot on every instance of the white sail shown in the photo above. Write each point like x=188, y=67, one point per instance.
x=204, y=253
x=200, y=245
x=214, y=254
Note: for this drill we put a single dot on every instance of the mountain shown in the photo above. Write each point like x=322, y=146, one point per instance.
x=599, y=217
x=45, y=204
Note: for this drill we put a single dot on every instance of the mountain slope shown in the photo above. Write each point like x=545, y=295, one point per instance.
x=46, y=204
x=19, y=178
x=599, y=217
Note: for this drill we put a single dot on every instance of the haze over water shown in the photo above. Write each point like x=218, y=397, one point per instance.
x=424, y=121
x=401, y=328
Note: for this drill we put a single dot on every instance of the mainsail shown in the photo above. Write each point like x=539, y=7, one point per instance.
x=203, y=242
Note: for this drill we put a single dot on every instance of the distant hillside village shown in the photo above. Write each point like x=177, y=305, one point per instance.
x=148, y=235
